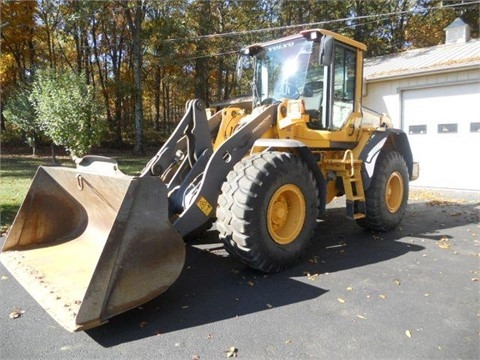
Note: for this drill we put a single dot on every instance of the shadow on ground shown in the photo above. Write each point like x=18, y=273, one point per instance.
x=214, y=287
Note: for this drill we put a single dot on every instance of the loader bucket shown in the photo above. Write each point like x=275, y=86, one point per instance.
x=88, y=246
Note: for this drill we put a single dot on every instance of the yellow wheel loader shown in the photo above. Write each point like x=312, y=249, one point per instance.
x=90, y=242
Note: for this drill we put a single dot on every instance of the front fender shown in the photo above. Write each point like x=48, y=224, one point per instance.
x=306, y=155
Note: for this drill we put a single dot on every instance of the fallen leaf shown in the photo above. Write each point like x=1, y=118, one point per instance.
x=408, y=333
x=341, y=301
x=312, y=277
x=475, y=279
x=269, y=306
x=232, y=352
x=16, y=314
x=251, y=283
x=443, y=243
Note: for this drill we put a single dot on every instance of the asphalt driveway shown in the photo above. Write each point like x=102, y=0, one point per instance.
x=409, y=294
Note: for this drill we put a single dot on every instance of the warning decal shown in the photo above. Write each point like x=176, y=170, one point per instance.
x=205, y=206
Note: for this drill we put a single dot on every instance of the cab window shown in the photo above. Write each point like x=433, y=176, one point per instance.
x=343, y=84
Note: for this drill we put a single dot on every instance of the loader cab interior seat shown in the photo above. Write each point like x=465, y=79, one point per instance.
x=312, y=96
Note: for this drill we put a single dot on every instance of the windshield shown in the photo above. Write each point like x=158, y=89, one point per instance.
x=289, y=69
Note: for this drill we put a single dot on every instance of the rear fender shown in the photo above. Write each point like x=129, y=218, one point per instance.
x=387, y=140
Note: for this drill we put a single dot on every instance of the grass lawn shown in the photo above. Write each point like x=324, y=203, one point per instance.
x=18, y=170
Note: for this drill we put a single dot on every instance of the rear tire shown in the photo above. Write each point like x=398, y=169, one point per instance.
x=267, y=210
x=386, y=198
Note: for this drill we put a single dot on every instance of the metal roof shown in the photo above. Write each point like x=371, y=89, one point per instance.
x=458, y=22
x=440, y=58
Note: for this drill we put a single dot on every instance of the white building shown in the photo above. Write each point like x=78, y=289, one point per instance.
x=433, y=94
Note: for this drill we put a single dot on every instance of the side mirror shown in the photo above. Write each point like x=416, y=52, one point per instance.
x=326, y=50
x=307, y=91
x=244, y=62
x=239, y=67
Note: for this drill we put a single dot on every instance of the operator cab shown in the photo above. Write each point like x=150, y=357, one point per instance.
x=315, y=68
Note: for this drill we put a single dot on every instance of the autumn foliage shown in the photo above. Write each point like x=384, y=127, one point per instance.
x=143, y=59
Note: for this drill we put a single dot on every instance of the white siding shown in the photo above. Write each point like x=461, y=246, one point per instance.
x=384, y=96
x=449, y=160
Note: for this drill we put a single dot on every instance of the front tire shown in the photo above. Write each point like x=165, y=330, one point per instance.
x=267, y=210
x=386, y=198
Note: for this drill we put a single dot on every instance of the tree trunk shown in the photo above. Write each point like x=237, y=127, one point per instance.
x=101, y=77
x=201, y=63
x=157, y=95
x=135, y=25
x=2, y=119
x=54, y=154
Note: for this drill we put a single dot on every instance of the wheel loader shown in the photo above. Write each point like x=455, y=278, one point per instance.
x=90, y=242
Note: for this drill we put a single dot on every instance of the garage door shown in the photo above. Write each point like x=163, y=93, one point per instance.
x=443, y=125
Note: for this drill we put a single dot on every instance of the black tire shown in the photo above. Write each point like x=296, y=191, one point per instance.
x=267, y=211
x=386, y=198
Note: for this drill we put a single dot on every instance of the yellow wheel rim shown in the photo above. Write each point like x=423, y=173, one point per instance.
x=394, y=192
x=286, y=214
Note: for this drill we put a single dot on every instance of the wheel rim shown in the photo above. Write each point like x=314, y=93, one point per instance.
x=286, y=214
x=394, y=192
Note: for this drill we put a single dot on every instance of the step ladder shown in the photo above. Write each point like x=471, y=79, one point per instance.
x=350, y=170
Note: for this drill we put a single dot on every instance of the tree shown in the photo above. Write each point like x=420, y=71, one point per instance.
x=147, y=57
x=135, y=25
x=426, y=28
x=204, y=25
x=109, y=43
x=67, y=110
x=20, y=112
x=162, y=59
x=17, y=49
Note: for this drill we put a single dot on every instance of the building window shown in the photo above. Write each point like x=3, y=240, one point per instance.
x=475, y=127
x=417, y=129
x=447, y=128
